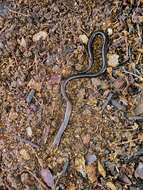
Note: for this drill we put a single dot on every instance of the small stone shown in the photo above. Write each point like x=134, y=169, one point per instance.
x=24, y=154
x=83, y=38
x=1, y=45
x=30, y=96
x=40, y=35
x=3, y=10
x=139, y=171
x=113, y=60
x=125, y=179
x=91, y=158
x=29, y=131
x=110, y=31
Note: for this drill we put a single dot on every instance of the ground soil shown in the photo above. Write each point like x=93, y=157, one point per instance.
x=32, y=108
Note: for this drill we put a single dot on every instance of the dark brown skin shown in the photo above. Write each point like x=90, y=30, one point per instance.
x=84, y=74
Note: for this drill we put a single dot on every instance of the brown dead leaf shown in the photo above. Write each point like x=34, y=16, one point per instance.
x=111, y=186
x=80, y=165
x=101, y=170
x=91, y=172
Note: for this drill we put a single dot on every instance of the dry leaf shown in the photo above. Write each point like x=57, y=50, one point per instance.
x=80, y=165
x=91, y=173
x=48, y=177
x=22, y=42
x=113, y=60
x=101, y=169
x=111, y=186
x=40, y=35
x=84, y=39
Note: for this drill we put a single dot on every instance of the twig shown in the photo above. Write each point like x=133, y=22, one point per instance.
x=3, y=29
x=15, y=12
x=39, y=181
x=107, y=101
x=125, y=142
x=125, y=71
x=27, y=142
x=138, y=59
x=137, y=118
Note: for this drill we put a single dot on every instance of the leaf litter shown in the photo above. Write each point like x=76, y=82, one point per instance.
x=39, y=45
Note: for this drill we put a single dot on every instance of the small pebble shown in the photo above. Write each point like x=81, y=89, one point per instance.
x=40, y=35
x=1, y=45
x=3, y=10
x=139, y=171
x=110, y=31
x=113, y=60
x=84, y=39
x=91, y=158
x=29, y=131
x=30, y=96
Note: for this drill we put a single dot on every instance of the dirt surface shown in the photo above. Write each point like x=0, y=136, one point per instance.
x=40, y=43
